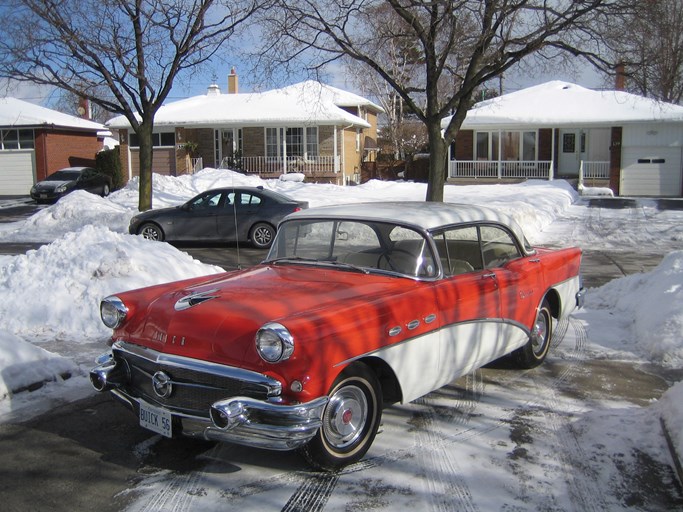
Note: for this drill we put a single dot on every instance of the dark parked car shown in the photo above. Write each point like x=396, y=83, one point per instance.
x=60, y=183
x=219, y=215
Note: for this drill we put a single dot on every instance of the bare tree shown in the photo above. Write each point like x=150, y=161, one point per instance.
x=648, y=41
x=131, y=49
x=460, y=46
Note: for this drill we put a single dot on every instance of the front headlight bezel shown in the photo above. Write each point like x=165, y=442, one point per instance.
x=274, y=343
x=113, y=311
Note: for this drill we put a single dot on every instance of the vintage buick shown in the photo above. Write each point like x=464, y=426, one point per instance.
x=356, y=307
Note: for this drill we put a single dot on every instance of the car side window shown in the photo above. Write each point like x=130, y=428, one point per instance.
x=207, y=200
x=459, y=250
x=498, y=247
x=246, y=199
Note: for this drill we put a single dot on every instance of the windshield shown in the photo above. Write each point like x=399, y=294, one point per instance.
x=372, y=246
x=64, y=176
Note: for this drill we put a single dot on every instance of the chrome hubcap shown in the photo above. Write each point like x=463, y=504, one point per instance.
x=345, y=416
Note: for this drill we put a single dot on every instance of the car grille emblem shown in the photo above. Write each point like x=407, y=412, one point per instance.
x=161, y=383
x=194, y=299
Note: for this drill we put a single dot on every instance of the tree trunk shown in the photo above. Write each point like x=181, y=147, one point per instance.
x=437, y=162
x=146, y=150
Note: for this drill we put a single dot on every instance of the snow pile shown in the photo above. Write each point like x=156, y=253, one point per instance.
x=23, y=365
x=671, y=410
x=645, y=311
x=55, y=291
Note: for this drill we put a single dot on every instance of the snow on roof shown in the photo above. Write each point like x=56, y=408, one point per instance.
x=558, y=103
x=18, y=114
x=307, y=102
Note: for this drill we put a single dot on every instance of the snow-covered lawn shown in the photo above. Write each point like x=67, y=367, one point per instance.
x=50, y=327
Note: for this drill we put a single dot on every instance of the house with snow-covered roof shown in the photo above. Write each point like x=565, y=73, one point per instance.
x=559, y=129
x=320, y=131
x=36, y=141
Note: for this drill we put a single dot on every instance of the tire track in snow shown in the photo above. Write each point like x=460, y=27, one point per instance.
x=581, y=479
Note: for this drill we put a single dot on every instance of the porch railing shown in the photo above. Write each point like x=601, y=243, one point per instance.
x=277, y=165
x=594, y=170
x=526, y=169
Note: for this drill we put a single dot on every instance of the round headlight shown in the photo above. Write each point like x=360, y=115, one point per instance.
x=60, y=189
x=113, y=311
x=274, y=343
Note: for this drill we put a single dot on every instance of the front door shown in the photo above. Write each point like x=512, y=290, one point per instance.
x=572, y=151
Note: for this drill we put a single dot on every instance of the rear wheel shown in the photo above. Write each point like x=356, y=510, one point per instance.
x=151, y=232
x=350, y=420
x=105, y=190
x=262, y=235
x=534, y=352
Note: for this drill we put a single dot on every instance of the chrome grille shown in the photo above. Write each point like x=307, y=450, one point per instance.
x=196, y=385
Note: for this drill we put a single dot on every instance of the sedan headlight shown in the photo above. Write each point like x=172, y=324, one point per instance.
x=274, y=343
x=113, y=311
x=60, y=189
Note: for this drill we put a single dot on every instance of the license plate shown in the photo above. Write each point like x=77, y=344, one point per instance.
x=155, y=419
x=43, y=196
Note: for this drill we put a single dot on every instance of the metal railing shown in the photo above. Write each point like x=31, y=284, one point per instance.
x=278, y=165
x=525, y=169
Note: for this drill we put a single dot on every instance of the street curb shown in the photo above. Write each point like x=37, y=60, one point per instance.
x=672, y=449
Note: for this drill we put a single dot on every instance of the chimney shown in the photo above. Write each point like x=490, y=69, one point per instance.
x=620, y=77
x=84, y=108
x=233, y=82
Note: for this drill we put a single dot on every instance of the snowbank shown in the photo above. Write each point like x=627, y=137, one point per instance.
x=641, y=313
x=55, y=291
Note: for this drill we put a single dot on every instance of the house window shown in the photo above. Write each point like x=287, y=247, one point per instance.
x=529, y=146
x=295, y=142
x=513, y=145
x=311, y=141
x=299, y=142
x=273, y=147
x=569, y=143
x=158, y=139
x=16, y=139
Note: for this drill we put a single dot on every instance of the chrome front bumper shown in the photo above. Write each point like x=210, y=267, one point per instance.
x=262, y=420
x=249, y=422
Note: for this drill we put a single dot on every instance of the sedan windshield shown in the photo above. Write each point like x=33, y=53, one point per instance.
x=350, y=244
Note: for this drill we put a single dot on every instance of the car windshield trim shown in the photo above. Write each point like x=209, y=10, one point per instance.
x=320, y=261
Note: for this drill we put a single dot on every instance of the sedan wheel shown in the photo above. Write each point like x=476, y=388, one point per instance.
x=105, y=190
x=350, y=420
x=262, y=235
x=151, y=232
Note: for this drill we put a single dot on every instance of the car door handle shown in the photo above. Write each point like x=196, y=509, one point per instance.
x=492, y=275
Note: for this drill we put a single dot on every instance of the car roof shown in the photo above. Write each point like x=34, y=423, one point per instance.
x=261, y=190
x=417, y=214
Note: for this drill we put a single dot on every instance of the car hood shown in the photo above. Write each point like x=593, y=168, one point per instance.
x=52, y=185
x=156, y=212
x=216, y=318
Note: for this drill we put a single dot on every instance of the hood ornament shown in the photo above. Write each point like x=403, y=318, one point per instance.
x=194, y=299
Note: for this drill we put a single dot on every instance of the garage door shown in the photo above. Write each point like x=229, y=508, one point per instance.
x=648, y=171
x=16, y=172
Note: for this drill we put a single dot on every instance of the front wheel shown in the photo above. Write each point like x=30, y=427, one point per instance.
x=151, y=232
x=350, y=420
x=533, y=353
x=105, y=190
x=262, y=235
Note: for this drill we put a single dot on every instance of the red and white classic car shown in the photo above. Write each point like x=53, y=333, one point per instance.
x=356, y=307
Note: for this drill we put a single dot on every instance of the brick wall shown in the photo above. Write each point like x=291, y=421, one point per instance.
x=56, y=149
